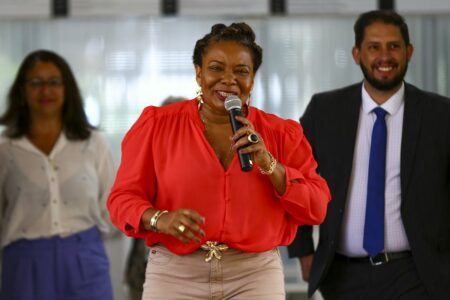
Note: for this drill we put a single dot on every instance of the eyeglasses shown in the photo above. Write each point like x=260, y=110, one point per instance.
x=37, y=83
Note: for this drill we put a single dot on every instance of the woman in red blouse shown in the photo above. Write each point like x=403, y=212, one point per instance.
x=181, y=188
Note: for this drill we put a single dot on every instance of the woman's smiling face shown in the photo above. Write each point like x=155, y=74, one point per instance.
x=227, y=68
x=44, y=90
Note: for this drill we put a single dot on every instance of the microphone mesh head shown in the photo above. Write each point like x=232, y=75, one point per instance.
x=232, y=102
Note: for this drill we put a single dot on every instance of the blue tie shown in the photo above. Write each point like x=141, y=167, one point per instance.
x=374, y=225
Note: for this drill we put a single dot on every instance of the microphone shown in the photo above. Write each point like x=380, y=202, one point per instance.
x=233, y=106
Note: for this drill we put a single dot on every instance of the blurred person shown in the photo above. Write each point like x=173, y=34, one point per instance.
x=213, y=230
x=56, y=172
x=137, y=257
x=383, y=146
x=172, y=100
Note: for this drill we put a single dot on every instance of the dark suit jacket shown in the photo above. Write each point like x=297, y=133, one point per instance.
x=330, y=124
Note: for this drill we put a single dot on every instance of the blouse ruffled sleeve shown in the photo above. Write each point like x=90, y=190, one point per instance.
x=106, y=169
x=307, y=195
x=134, y=186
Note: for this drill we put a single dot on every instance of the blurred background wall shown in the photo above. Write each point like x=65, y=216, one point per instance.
x=128, y=54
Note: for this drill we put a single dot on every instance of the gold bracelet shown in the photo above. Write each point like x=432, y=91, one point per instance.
x=155, y=219
x=272, y=166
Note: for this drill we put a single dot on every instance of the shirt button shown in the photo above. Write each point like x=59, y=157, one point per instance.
x=52, y=179
x=54, y=201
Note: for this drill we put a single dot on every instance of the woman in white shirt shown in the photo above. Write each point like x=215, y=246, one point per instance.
x=55, y=175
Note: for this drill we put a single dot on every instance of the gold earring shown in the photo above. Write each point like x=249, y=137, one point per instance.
x=200, y=98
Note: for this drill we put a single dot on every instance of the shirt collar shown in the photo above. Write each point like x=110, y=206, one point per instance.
x=24, y=143
x=392, y=105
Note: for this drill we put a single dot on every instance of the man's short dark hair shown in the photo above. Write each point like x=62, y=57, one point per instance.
x=384, y=16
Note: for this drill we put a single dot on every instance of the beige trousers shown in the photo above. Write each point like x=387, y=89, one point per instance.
x=238, y=275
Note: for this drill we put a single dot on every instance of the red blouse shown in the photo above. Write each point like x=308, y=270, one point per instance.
x=167, y=163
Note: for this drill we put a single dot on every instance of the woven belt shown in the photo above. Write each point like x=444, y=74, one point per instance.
x=214, y=250
x=376, y=260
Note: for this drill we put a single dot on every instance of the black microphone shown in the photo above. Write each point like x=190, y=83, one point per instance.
x=233, y=106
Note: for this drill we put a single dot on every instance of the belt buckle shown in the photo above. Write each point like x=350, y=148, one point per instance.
x=214, y=250
x=379, y=259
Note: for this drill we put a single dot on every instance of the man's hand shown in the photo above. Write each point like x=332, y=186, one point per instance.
x=305, y=266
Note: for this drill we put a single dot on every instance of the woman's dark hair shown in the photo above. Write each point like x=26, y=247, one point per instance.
x=239, y=32
x=17, y=116
x=384, y=16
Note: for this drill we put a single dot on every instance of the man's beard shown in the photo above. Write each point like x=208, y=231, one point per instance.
x=384, y=85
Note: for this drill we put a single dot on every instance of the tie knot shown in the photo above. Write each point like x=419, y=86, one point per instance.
x=381, y=113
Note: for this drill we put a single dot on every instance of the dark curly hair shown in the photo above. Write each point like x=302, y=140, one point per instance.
x=239, y=32
x=384, y=16
x=17, y=116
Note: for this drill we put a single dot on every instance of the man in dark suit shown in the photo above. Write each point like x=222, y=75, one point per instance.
x=410, y=130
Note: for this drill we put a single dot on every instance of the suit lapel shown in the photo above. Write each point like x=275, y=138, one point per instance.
x=412, y=119
x=349, y=129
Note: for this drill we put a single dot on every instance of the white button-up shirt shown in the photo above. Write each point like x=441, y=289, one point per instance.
x=352, y=233
x=57, y=194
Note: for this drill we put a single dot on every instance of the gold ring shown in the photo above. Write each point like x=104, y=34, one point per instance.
x=181, y=228
x=253, y=138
